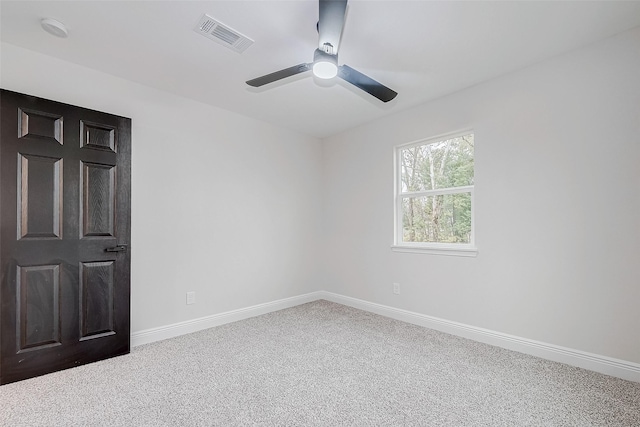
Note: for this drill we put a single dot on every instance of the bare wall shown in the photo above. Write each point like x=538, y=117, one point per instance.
x=222, y=205
x=557, y=199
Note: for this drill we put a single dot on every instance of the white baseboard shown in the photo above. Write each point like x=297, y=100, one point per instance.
x=594, y=362
x=170, y=331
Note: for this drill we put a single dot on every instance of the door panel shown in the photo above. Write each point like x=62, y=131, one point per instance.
x=38, y=296
x=98, y=185
x=97, y=136
x=39, y=197
x=33, y=123
x=64, y=200
x=96, y=299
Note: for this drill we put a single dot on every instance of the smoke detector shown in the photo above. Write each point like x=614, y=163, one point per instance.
x=54, y=27
x=222, y=34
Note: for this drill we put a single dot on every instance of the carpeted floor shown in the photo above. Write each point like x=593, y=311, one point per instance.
x=321, y=364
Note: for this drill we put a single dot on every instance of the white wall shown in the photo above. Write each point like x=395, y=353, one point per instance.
x=222, y=205
x=557, y=205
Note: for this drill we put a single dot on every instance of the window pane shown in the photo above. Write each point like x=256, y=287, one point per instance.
x=438, y=219
x=441, y=164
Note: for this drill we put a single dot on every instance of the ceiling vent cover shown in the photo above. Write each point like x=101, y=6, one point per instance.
x=218, y=32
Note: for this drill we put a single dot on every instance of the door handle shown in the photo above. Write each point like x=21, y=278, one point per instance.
x=119, y=248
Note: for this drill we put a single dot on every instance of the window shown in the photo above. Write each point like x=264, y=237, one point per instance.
x=434, y=196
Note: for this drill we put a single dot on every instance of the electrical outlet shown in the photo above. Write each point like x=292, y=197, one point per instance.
x=191, y=297
x=396, y=288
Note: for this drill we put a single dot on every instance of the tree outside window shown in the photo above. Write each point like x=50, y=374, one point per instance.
x=435, y=191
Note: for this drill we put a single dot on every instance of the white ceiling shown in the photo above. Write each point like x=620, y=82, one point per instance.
x=421, y=49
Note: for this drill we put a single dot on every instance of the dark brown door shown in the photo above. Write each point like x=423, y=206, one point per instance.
x=64, y=236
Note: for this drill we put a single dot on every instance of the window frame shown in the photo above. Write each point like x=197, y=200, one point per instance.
x=436, y=248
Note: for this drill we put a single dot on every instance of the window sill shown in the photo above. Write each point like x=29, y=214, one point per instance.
x=467, y=251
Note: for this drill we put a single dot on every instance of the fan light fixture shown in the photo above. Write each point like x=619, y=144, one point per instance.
x=325, y=66
x=331, y=18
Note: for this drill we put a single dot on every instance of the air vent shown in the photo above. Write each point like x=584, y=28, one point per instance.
x=218, y=32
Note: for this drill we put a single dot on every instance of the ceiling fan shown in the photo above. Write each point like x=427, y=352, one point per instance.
x=325, y=58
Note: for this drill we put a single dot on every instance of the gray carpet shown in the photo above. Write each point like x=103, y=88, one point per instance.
x=321, y=364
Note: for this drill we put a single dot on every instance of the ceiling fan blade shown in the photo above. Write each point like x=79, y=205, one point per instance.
x=279, y=75
x=366, y=83
x=330, y=23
